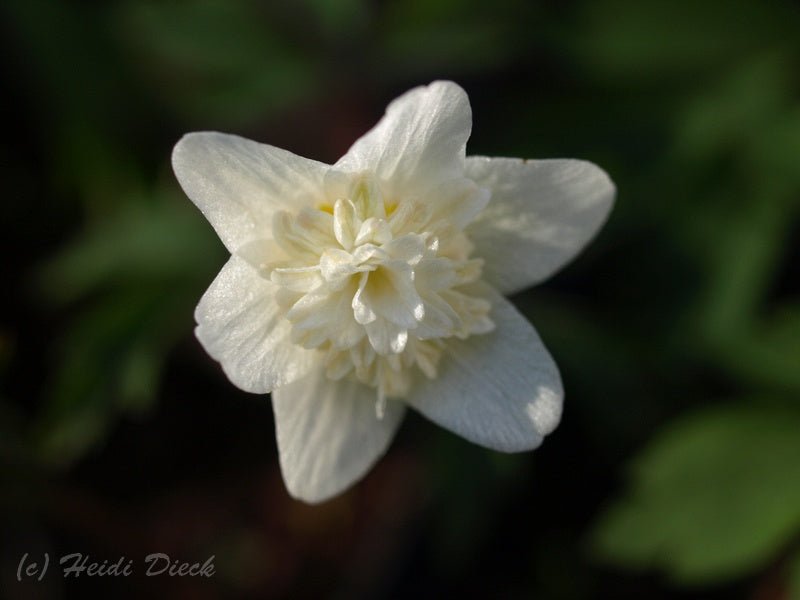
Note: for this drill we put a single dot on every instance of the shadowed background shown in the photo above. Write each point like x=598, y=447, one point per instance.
x=676, y=470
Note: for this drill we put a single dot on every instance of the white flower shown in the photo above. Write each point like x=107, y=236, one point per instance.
x=357, y=289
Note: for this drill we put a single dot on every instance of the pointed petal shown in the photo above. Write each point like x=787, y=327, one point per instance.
x=238, y=184
x=320, y=317
x=409, y=248
x=419, y=142
x=434, y=274
x=239, y=324
x=345, y=223
x=541, y=214
x=440, y=319
x=297, y=279
x=328, y=434
x=362, y=309
x=501, y=390
x=386, y=337
x=262, y=254
x=335, y=263
x=390, y=293
x=458, y=202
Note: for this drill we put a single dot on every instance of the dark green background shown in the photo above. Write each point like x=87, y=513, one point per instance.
x=676, y=470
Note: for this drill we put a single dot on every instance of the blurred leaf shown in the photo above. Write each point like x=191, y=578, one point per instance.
x=648, y=40
x=445, y=47
x=736, y=109
x=166, y=241
x=60, y=442
x=137, y=274
x=742, y=245
x=715, y=496
x=109, y=361
x=774, y=153
x=793, y=571
x=341, y=17
x=603, y=367
x=767, y=354
x=74, y=71
x=470, y=495
x=742, y=260
x=217, y=60
x=426, y=36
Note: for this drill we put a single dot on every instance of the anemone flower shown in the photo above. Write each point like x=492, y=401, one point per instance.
x=358, y=289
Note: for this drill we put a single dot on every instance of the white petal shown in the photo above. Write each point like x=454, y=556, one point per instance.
x=328, y=434
x=297, y=279
x=541, y=214
x=386, y=337
x=317, y=317
x=434, y=274
x=345, y=223
x=362, y=310
x=501, y=389
x=440, y=319
x=458, y=202
x=390, y=293
x=419, y=142
x=373, y=230
x=238, y=184
x=409, y=248
x=335, y=264
x=239, y=324
x=262, y=254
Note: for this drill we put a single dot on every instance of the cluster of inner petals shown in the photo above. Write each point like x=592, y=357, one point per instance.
x=378, y=283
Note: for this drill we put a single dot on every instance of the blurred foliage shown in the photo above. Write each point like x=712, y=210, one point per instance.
x=218, y=81
x=714, y=495
x=132, y=273
x=677, y=332
x=794, y=578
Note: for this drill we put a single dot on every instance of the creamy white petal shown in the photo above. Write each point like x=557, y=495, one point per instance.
x=440, y=319
x=345, y=223
x=390, y=293
x=335, y=264
x=386, y=337
x=262, y=254
x=458, y=202
x=328, y=434
x=297, y=279
x=238, y=184
x=317, y=317
x=541, y=214
x=419, y=142
x=240, y=325
x=409, y=248
x=501, y=390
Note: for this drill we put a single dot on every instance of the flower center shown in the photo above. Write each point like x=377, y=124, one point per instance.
x=378, y=285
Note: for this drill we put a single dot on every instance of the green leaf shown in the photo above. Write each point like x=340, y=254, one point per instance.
x=741, y=266
x=774, y=153
x=165, y=242
x=793, y=574
x=107, y=363
x=228, y=62
x=653, y=39
x=715, y=496
x=137, y=275
x=423, y=36
x=341, y=17
x=767, y=353
x=736, y=109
